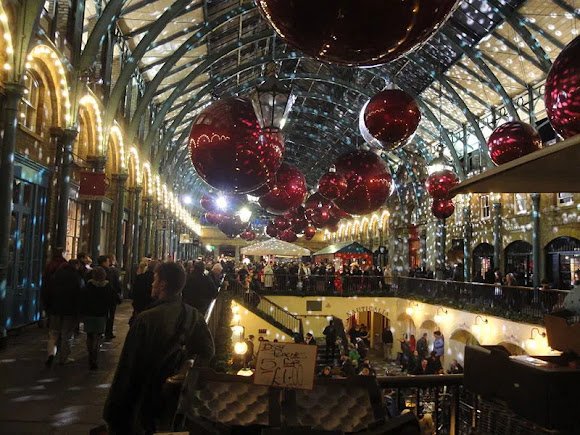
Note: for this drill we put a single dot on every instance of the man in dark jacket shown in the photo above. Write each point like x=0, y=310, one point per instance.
x=134, y=402
x=330, y=335
x=63, y=310
x=387, y=339
x=142, y=289
x=56, y=262
x=423, y=347
x=199, y=289
x=104, y=261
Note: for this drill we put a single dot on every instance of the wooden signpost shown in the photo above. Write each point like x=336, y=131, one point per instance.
x=286, y=365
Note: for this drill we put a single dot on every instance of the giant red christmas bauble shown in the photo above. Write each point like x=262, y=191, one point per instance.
x=271, y=230
x=352, y=32
x=440, y=183
x=288, y=236
x=230, y=151
x=231, y=226
x=512, y=140
x=297, y=219
x=562, y=97
x=336, y=212
x=289, y=191
x=281, y=223
x=309, y=232
x=248, y=235
x=331, y=185
x=442, y=208
x=369, y=182
x=392, y=116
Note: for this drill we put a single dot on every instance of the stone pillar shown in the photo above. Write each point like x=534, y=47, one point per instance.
x=146, y=234
x=441, y=242
x=237, y=253
x=12, y=94
x=497, y=245
x=136, y=201
x=120, y=180
x=467, y=237
x=536, y=245
x=65, y=140
x=423, y=242
x=381, y=241
x=98, y=164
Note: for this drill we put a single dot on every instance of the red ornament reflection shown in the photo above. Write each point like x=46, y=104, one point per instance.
x=331, y=185
x=351, y=33
x=231, y=226
x=440, y=183
x=562, y=97
x=230, y=151
x=513, y=140
x=442, y=208
x=288, y=193
x=271, y=230
x=392, y=116
x=369, y=182
x=309, y=232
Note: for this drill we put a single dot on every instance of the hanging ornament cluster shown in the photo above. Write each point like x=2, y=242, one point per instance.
x=389, y=119
x=512, y=140
x=332, y=185
x=288, y=192
x=562, y=97
x=229, y=149
x=353, y=33
x=223, y=211
x=438, y=185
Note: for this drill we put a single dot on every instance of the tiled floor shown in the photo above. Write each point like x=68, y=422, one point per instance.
x=63, y=399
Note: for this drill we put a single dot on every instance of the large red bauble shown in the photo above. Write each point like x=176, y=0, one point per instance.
x=333, y=221
x=562, y=97
x=231, y=226
x=332, y=228
x=271, y=230
x=288, y=193
x=309, y=232
x=442, y=208
x=288, y=236
x=369, y=182
x=331, y=185
x=513, y=140
x=320, y=217
x=440, y=183
x=392, y=116
x=281, y=223
x=352, y=32
x=314, y=201
x=230, y=151
x=248, y=235
x=336, y=212
x=297, y=219
x=213, y=218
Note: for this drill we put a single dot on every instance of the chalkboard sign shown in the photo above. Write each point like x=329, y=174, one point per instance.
x=286, y=365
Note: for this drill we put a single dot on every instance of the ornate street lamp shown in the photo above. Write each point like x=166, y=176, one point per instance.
x=272, y=101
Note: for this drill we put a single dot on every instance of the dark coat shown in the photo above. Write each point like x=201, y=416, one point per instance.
x=387, y=336
x=199, y=291
x=48, y=279
x=65, y=292
x=97, y=299
x=129, y=404
x=142, y=291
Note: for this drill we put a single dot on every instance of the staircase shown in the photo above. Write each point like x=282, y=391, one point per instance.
x=267, y=310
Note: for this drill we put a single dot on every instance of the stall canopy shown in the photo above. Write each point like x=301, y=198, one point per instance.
x=346, y=251
x=275, y=247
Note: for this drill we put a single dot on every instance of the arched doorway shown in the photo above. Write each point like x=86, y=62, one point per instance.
x=562, y=260
x=518, y=261
x=483, y=263
x=456, y=345
x=405, y=326
x=513, y=348
x=375, y=319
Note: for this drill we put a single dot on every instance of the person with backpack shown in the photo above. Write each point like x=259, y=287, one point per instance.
x=159, y=342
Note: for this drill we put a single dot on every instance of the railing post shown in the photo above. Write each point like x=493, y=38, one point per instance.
x=467, y=235
x=497, y=235
x=536, y=241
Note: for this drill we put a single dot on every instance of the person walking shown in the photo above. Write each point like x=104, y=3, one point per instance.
x=104, y=261
x=199, y=290
x=387, y=339
x=439, y=344
x=423, y=347
x=141, y=293
x=96, y=300
x=63, y=310
x=330, y=335
x=135, y=403
x=56, y=262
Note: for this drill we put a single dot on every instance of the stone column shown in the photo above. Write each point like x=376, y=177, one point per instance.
x=497, y=245
x=12, y=94
x=98, y=164
x=423, y=243
x=135, y=255
x=536, y=245
x=120, y=180
x=441, y=242
x=145, y=244
x=65, y=140
x=467, y=237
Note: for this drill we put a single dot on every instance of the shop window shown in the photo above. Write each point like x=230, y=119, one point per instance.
x=565, y=198
x=73, y=230
x=484, y=206
x=519, y=203
x=29, y=102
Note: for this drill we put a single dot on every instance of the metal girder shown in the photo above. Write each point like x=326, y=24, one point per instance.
x=567, y=7
x=475, y=56
x=469, y=93
x=133, y=61
x=516, y=21
x=503, y=69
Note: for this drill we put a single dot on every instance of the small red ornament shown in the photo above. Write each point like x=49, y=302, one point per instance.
x=353, y=33
x=562, y=96
x=231, y=226
x=298, y=220
x=288, y=193
x=369, y=182
x=230, y=151
x=213, y=218
x=281, y=223
x=248, y=235
x=331, y=185
x=440, y=183
x=332, y=228
x=309, y=232
x=442, y=208
x=320, y=217
x=513, y=140
x=392, y=116
x=271, y=230
x=288, y=236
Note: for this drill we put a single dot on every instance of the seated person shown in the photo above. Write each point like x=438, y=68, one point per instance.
x=455, y=368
